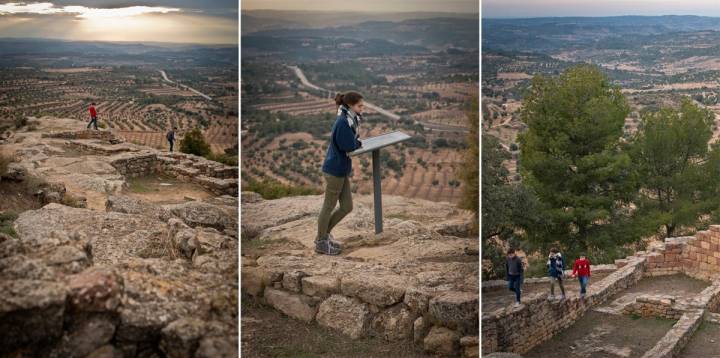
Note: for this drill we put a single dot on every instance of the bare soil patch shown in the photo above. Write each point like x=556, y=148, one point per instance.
x=165, y=190
x=268, y=333
x=704, y=343
x=605, y=336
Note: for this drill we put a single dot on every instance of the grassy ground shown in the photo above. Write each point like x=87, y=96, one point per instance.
x=268, y=333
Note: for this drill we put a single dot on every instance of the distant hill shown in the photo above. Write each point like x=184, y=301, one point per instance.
x=15, y=50
x=433, y=33
x=261, y=20
x=550, y=33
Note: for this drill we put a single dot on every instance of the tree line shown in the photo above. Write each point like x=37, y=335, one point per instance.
x=588, y=188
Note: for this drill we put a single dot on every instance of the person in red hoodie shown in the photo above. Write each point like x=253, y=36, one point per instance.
x=93, y=116
x=581, y=269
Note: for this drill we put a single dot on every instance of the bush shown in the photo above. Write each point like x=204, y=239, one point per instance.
x=20, y=122
x=5, y=160
x=231, y=160
x=271, y=189
x=194, y=143
x=6, y=223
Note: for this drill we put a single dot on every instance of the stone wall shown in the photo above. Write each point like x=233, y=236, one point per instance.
x=675, y=340
x=654, y=306
x=701, y=257
x=519, y=329
x=85, y=134
x=380, y=306
x=216, y=177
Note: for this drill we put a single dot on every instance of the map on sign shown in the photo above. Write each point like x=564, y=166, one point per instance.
x=373, y=143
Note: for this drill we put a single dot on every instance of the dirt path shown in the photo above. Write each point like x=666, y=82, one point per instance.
x=268, y=333
x=601, y=335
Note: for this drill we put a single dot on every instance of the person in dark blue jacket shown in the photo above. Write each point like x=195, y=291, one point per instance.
x=337, y=169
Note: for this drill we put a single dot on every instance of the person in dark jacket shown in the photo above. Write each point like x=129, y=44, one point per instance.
x=514, y=269
x=337, y=169
x=171, y=137
x=93, y=117
x=556, y=268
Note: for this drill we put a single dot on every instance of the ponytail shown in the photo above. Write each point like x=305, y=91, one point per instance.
x=348, y=99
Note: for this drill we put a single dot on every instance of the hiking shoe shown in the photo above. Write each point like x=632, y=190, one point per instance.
x=324, y=247
x=551, y=297
x=517, y=304
x=333, y=243
x=562, y=297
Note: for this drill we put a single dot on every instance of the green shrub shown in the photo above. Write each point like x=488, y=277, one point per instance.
x=194, y=143
x=6, y=223
x=231, y=160
x=271, y=189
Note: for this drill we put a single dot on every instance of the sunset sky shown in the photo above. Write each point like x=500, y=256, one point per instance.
x=180, y=21
x=552, y=8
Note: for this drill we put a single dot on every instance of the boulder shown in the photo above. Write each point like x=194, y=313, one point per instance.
x=294, y=305
x=320, y=286
x=215, y=347
x=377, y=290
x=442, y=341
x=292, y=280
x=420, y=328
x=31, y=313
x=345, y=314
x=394, y=324
x=130, y=205
x=417, y=300
x=106, y=351
x=196, y=213
x=455, y=308
x=252, y=281
x=470, y=346
x=181, y=337
x=88, y=336
x=15, y=172
x=95, y=290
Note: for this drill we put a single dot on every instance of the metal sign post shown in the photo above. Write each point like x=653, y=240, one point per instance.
x=373, y=144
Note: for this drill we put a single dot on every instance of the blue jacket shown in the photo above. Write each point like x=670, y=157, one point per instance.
x=343, y=139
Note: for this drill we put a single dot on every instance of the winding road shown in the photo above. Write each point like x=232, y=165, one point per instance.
x=165, y=77
x=429, y=126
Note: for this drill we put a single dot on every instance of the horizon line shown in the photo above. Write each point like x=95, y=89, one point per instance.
x=589, y=17
x=369, y=12
x=118, y=41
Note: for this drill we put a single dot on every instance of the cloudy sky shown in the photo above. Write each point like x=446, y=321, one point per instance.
x=542, y=8
x=181, y=21
x=365, y=5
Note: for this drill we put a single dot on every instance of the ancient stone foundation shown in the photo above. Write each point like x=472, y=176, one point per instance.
x=519, y=329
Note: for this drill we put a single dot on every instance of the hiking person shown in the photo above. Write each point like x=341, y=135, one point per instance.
x=93, y=116
x=556, y=266
x=337, y=168
x=581, y=269
x=514, y=269
x=171, y=137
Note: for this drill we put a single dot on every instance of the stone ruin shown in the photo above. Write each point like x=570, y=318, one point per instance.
x=415, y=282
x=520, y=329
x=129, y=278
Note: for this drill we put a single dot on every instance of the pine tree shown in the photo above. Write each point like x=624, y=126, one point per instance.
x=572, y=158
x=677, y=171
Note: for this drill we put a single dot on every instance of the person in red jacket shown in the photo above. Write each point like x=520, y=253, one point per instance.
x=581, y=269
x=93, y=116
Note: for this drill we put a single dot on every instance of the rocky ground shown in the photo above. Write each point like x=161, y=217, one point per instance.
x=95, y=270
x=416, y=282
